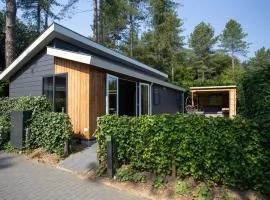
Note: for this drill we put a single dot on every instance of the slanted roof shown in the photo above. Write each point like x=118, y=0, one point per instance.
x=56, y=31
x=107, y=65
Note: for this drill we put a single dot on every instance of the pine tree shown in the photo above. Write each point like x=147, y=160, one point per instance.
x=232, y=40
x=202, y=40
x=10, y=31
x=260, y=61
x=38, y=12
x=23, y=37
x=161, y=43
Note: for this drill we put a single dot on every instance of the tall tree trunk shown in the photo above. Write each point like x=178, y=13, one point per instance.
x=233, y=66
x=131, y=35
x=101, y=22
x=38, y=16
x=95, y=22
x=172, y=70
x=10, y=31
x=47, y=14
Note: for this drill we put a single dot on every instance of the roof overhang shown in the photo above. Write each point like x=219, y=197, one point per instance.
x=29, y=53
x=69, y=55
x=107, y=65
x=57, y=31
x=213, y=88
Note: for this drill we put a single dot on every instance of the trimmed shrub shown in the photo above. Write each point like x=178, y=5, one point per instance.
x=3, y=89
x=255, y=99
x=255, y=105
x=47, y=129
x=36, y=104
x=222, y=150
x=4, y=130
x=50, y=130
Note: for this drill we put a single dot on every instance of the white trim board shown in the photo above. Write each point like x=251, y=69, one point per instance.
x=29, y=53
x=69, y=55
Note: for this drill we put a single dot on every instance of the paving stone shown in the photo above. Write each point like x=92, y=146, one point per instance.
x=83, y=161
x=21, y=179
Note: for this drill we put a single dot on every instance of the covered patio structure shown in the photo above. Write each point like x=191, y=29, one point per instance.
x=214, y=100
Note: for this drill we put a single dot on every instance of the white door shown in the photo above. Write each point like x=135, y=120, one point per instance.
x=112, y=93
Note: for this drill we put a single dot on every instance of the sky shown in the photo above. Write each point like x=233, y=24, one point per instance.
x=253, y=15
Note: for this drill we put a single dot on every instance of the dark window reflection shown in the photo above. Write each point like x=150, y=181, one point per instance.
x=55, y=89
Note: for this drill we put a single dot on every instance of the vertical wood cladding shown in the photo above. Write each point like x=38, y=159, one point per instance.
x=232, y=102
x=86, y=95
x=97, y=96
x=78, y=94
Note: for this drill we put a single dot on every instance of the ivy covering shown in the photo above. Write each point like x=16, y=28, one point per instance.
x=47, y=129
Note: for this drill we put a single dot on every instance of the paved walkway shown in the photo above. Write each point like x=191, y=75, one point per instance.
x=83, y=161
x=21, y=179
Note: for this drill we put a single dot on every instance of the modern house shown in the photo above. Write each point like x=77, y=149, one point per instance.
x=87, y=80
x=215, y=100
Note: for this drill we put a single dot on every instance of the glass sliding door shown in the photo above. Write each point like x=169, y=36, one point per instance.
x=112, y=95
x=127, y=97
x=144, y=99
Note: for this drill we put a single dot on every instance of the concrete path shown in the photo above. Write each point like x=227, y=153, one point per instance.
x=83, y=161
x=21, y=179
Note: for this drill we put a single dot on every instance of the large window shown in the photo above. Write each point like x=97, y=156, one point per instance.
x=55, y=88
x=112, y=95
x=144, y=99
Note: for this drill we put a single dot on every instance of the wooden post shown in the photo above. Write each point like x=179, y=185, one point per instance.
x=192, y=100
x=110, y=164
x=232, y=103
x=173, y=169
x=66, y=148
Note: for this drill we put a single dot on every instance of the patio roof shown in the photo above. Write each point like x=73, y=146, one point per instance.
x=213, y=88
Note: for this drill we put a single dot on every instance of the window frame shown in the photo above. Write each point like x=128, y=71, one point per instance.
x=156, y=95
x=140, y=98
x=53, y=76
x=107, y=94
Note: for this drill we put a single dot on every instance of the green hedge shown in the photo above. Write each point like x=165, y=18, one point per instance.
x=36, y=104
x=255, y=99
x=50, y=130
x=4, y=130
x=222, y=150
x=47, y=129
x=3, y=89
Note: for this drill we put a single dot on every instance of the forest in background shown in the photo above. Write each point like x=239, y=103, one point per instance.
x=149, y=31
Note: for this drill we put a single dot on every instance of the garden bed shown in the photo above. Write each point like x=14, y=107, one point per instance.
x=195, y=190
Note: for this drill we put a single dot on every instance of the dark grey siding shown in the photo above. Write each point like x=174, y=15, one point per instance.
x=28, y=80
x=60, y=44
x=166, y=100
